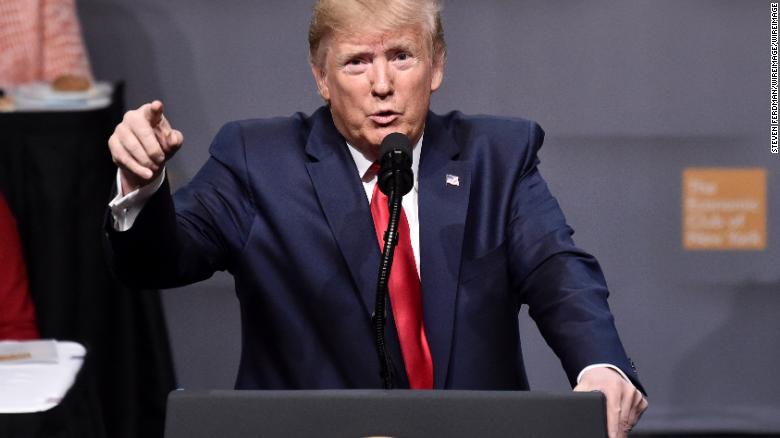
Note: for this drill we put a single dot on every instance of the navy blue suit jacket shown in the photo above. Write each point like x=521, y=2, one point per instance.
x=280, y=205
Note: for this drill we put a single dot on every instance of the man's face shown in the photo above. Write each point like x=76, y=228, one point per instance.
x=378, y=83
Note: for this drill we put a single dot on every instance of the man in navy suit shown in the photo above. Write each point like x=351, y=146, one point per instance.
x=283, y=204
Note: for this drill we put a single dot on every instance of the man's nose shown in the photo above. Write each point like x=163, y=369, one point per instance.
x=382, y=79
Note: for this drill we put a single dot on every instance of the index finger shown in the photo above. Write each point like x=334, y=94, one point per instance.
x=154, y=113
x=613, y=413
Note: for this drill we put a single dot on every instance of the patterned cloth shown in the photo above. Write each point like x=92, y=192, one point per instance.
x=40, y=40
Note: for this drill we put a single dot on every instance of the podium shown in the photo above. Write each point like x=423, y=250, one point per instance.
x=381, y=413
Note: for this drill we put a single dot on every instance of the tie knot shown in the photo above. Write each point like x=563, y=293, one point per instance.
x=372, y=171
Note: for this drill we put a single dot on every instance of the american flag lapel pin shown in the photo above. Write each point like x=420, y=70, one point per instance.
x=452, y=180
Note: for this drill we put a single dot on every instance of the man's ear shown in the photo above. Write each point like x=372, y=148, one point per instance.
x=322, y=83
x=437, y=76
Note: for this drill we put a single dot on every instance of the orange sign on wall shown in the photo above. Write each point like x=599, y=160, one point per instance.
x=724, y=208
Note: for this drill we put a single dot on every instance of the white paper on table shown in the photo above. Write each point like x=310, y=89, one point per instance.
x=20, y=352
x=31, y=380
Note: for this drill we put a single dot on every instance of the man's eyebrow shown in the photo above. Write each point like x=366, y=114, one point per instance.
x=404, y=44
x=357, y=52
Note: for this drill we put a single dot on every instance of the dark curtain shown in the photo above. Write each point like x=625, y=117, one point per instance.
x=57, y=175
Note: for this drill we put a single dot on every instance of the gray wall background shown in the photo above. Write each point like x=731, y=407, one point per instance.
x=629, y=93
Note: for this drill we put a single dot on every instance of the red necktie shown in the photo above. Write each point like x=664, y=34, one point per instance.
x=405, y=296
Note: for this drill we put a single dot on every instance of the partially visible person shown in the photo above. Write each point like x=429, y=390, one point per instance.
x=17, y=315
x=40, y=40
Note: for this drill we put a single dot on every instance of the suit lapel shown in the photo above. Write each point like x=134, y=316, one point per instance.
x=442, y=217
x=443, y=203
x=343, y=200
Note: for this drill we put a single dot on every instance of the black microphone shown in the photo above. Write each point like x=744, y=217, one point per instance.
x=395, y=179
x=395, y=165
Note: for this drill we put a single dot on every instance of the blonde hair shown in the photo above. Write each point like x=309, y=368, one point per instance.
x=342, y=16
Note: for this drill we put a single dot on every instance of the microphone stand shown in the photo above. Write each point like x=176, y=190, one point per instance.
x=380, y=312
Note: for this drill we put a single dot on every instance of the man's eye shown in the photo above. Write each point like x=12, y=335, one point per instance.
x=355, y=66
x=404, y=60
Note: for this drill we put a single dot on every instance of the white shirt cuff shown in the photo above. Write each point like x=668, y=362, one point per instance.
x=125, y=209
x=604, y=365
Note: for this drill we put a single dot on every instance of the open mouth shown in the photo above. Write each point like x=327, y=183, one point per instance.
x=383, y=117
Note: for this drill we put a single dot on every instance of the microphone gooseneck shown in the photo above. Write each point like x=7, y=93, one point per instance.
x=395, y=179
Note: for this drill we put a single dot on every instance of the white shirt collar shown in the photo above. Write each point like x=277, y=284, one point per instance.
x=362, y=163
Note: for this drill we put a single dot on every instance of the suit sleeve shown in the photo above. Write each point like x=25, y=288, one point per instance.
x=186, y=238
x=563, y=285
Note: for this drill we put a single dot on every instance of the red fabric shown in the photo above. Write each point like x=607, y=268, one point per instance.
x=17, y=315
x=405, y=296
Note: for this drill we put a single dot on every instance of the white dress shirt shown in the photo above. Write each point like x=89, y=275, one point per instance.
x=124, y=209
x=408, y=202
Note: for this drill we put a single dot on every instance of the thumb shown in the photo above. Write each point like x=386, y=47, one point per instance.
x=585, y=387
x=581, y=388
x=172, y=143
